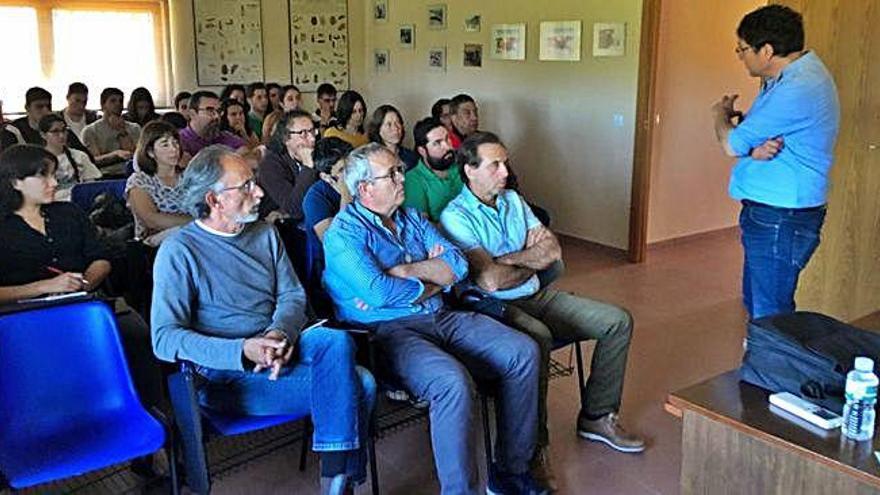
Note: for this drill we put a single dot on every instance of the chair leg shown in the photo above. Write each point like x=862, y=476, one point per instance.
x=188, y=421
x=487, y=434
x=582, y=384
x=172, y=462
x=306, y=442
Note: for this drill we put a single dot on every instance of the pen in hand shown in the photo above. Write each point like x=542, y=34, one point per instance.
x=62, y=272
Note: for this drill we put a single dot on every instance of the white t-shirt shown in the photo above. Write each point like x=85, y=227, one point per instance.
x=65, y=176
x=76, y=126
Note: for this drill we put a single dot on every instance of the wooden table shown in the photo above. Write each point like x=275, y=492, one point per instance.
x=735, y=442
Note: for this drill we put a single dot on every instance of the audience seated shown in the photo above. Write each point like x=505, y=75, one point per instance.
x=287, y=172
x=273, y=91
x=204, y=125
x=351, y=110
x=440, y=110
x=111, y=139
x=38, y=103
x=258, y=99
x=75, y=113
x=9, y=134
x=386, y=268
x=233, y=119
x=141, y=108
x=226, y=298
x=74, y=166
x=386, y=128
x=49, y=247
x=290, y=99
x=321, y=203
x=465, y=118
x=234, y=91
x=154, y=192
x=436, y=179
x=325, y=115
x=176, y=119
x=181, y=103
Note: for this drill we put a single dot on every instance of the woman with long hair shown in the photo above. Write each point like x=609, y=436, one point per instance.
x=141, y=108
x=74, y=166
x=386, y=128
x=233, y=118
x=351, y=111
x=289, y=99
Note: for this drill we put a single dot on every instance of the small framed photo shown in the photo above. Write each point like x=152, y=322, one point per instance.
x=473, y=55
x=472, y=23
x=380, y=10
x=509, y=41
x=407, y=36
x=437, y=16
x=437, y=58
x=381, y=61
x=560, y=41
x=609, y=39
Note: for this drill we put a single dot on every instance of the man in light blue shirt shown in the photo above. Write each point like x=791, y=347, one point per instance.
x=507, y=247
x=784, y=144
x=386, y=267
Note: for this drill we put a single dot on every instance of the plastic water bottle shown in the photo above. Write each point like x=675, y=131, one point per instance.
x=861, y=396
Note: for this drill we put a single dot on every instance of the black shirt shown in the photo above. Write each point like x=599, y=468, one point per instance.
x=70, y=244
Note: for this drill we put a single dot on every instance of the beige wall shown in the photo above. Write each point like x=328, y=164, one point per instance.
x=558, y=118
x=696, y=65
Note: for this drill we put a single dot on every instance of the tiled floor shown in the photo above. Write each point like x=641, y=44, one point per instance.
x=689, y=326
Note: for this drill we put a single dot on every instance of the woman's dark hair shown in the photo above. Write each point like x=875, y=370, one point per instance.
x=227, y=91
x=345, y=107
x=774, y=25
x=374, y=125
x=137, y=96
x=277, y=142
x=328, y=152
x=47, y=120
x=467, y=155
x=437, y=107
x=151, y=133
x=224, y=121
x=183, y=95
x=283, y=92
x=19, y=162
x=174, y=118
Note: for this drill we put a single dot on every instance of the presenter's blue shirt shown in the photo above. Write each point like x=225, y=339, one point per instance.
x=802, y=107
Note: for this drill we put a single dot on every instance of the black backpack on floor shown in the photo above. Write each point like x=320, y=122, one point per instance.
x=807, y=354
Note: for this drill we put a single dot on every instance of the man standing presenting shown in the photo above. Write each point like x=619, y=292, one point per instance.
x=784, y=145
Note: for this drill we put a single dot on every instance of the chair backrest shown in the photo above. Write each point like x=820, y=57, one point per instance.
x=60, y=364
x=84, y=193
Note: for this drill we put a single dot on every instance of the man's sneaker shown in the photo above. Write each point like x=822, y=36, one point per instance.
x=607, y=429
x=336, y=485
x=404, y=396
x=513, y=484
x=542, y=471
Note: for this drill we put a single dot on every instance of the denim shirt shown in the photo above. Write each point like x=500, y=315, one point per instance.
x=358, y=250
x=501, y=230
x=802, y=107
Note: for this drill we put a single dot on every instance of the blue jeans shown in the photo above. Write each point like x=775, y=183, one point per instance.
x=437, y=357
x=322, y=381
x=778, y=244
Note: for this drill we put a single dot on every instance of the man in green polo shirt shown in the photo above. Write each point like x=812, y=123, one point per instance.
x=434, y=182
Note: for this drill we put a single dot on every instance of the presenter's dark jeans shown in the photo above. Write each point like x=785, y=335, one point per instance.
x=778, y=244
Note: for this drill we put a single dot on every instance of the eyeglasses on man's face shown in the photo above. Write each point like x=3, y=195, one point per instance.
x=395, y=174
x=246, y=188
x=303, y=132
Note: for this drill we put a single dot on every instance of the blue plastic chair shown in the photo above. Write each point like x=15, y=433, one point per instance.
x=67, y=403
x=84, y=193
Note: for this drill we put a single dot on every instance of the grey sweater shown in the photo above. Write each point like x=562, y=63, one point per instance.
x=211, y=292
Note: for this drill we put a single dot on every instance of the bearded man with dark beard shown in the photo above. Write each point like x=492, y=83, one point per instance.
x=204, y=125
x=435, y=181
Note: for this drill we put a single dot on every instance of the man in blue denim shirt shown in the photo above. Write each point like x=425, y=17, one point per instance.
x=785, y=145
x=386, y=268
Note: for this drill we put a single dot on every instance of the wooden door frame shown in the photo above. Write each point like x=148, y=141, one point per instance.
x=644, y=135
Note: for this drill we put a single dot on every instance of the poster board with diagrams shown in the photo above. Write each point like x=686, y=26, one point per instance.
x=319, y=43
x=229, y=41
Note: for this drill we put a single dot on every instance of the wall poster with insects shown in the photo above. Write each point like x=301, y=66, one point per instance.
x=229, y=41
x=319, y=43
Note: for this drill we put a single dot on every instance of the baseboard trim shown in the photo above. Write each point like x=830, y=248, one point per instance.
x=592, y=244
x=722, y=233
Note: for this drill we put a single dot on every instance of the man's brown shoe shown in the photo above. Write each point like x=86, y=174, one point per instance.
x=542, y=471
x=607, y=429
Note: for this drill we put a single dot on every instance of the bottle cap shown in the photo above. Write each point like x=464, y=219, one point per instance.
x=864, y=364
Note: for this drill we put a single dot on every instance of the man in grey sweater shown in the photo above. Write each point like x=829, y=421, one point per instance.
x=226, y=298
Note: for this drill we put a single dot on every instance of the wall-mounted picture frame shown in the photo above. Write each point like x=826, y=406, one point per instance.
x=231, y=52
x=437, y=58
x=472, y=23
x=472, y=55
x=609, y=39
x=407, y=36
x=380, y=11
x=437, y=16
x=560, y=41
x=508, y=41
x=381, y=60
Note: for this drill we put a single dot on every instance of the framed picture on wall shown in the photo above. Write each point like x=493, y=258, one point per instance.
x=231, y=52
x=381, y=61
x=473, y=55
x=407, y=36
x=509, y=41
x=380, y=10
x=437, y=58
x=560, y=41
x=609, y=39
x=472, y=23
x=437, y=16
